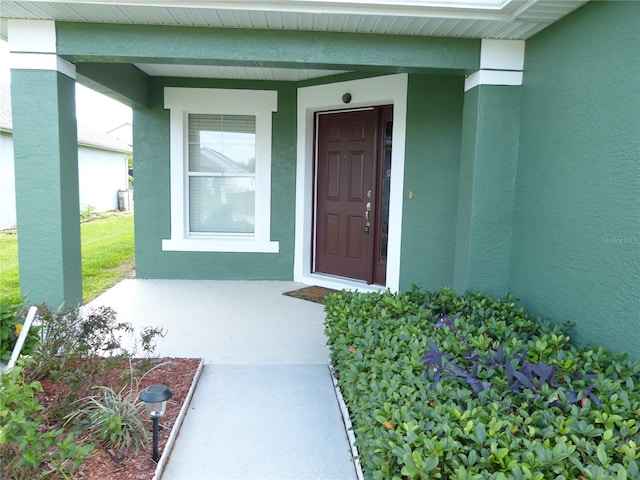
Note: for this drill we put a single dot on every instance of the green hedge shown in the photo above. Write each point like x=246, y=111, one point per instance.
x=461, y=387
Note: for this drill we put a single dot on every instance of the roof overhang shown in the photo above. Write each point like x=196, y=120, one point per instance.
x=508, y=19
x=476, y=19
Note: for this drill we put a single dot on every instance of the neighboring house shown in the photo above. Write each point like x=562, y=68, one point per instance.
x=485, y=145
x=102, y=166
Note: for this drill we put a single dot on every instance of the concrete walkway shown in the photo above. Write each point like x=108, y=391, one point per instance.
x=264, y=408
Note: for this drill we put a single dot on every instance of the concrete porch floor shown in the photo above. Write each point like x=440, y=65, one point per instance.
x=264, y=408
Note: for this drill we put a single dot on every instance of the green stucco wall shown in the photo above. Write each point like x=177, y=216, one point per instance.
x=431, y=173
x=576, y=242
x=152, y=194
x=46, y=172
x=432, y=160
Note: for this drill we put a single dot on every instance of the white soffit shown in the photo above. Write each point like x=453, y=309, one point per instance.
x=500, y=19
x=483, y=19
x=226, y=72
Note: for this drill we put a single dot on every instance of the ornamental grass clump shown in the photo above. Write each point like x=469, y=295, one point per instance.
x=461, y=387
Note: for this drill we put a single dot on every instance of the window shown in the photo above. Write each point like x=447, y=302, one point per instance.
x=220, y=170
x=222, y=173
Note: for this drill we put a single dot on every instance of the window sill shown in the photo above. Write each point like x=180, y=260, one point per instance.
x=219, y=245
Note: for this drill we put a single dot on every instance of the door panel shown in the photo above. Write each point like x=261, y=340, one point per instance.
x=345, y=174
x=356, y=176
x=332, y=230
x=354, y=237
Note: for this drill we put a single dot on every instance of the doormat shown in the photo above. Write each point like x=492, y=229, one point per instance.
x=312, y=294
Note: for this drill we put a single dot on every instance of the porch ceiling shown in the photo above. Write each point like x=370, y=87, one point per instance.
x=498, y=19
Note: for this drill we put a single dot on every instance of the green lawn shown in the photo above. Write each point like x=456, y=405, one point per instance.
x=9, y=264
x=107, y=255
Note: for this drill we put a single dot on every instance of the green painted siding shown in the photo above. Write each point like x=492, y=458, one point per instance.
x=152, y=194
x=576, y=254
x=432, y=159
x=265, y=48
x=46, y=169
x=487, y=188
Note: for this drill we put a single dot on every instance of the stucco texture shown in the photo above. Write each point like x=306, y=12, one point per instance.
x=46, y=175
x=432, y=166
x=153, y=203
x=576, y=243
x=487, y=188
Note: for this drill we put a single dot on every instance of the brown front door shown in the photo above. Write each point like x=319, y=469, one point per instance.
x=349, y=159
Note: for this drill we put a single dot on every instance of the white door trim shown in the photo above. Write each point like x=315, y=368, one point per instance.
x=385, y=90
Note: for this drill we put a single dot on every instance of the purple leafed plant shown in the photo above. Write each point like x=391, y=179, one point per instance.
x=520, y=373
x=447, y=321
x=444, y=368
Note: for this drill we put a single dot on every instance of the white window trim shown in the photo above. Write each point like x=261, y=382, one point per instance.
x=183, y=101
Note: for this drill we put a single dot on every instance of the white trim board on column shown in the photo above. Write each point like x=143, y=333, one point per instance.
x=32, y=36
x=42, y=61
x=492, y=77
x=502, y=54
x=32, y=44
x=501, y=63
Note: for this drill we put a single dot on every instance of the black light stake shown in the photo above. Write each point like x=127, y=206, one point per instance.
x=155, y=403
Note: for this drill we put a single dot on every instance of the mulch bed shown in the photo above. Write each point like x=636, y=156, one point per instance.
x=176, y=373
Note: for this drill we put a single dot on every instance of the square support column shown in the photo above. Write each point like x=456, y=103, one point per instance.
x=46, y=166
x=488, y=166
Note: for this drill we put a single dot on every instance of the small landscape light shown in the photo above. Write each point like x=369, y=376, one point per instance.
x=155, y=403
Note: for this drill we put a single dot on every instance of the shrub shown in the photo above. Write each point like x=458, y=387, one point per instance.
x=65, y=336
x=12, y=317
x=461, y=387
x=72, y=348
x=70, y=351
x=28, y=448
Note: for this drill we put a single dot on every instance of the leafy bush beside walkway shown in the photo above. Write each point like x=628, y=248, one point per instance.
x=462, y=387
